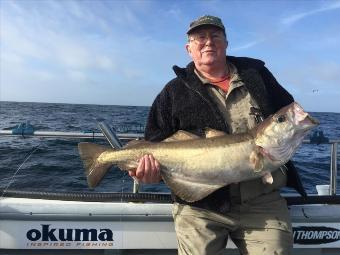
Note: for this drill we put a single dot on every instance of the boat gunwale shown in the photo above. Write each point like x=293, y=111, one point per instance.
x=292, y=199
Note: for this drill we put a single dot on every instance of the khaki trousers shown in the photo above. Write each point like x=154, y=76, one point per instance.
x=259, y=226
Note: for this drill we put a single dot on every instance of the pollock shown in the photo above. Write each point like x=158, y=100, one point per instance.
x=193, y=167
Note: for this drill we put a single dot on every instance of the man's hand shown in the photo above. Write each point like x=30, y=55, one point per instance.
x=148, y=170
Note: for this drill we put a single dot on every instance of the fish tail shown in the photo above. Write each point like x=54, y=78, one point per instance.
x=94, y=169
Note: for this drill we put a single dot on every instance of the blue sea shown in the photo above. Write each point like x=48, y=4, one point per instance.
x=53, y=164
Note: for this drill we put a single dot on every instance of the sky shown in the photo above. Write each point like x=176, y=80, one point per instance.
x=115, y=52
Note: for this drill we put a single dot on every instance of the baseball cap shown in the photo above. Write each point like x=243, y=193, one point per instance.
x=206, y=20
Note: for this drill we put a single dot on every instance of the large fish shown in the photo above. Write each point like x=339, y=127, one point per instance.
x=193, y=167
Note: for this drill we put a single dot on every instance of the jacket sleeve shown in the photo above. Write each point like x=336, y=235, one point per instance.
x=279, y=97
x=159, y=123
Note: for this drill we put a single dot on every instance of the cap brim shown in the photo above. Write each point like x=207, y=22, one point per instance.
x=202, y=25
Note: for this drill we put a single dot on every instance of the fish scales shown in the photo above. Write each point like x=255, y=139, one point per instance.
x=210, y=159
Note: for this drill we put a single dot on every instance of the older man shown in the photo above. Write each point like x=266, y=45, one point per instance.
x=231, y=94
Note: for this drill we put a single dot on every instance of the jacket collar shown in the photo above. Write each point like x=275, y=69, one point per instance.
x=245, y=71
x=248, y=72
x=241, y=64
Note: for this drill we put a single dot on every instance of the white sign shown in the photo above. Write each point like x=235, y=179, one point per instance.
x=86, y=235
x=65, y=235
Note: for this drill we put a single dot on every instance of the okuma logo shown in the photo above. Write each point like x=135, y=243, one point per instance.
x=46, y=233
x=315, y=235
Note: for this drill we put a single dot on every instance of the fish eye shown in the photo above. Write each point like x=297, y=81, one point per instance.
x=281, y=118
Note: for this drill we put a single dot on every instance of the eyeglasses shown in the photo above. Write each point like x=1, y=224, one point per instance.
x=202, y=38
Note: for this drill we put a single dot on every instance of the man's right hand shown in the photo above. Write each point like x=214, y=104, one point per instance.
x=148, y=170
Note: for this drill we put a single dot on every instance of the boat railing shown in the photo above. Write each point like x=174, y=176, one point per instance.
x=87, y=134
x=24, y=133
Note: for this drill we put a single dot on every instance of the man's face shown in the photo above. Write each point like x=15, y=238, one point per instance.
x=207, y=46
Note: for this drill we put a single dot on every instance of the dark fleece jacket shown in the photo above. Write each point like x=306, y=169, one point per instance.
x=186, y=104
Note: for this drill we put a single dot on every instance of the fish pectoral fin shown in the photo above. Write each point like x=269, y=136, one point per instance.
x=188, y=190
x=256, y=160
x=267, y=178
x=94, y=170
x=181, y=135
x=210, y=132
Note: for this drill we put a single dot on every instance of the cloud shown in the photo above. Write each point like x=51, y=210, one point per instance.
x=104, y=63
x=290, y=20
x=77, y=76
x=174, y=12
x=248, y=45
x=11, y=58
x=278, y=28
x=16, y=38
x=67, y=44
x=312, y=74
x=50, y=42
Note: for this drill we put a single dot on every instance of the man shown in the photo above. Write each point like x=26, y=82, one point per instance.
x=230, y=94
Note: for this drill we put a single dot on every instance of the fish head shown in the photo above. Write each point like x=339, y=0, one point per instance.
x=279, y=136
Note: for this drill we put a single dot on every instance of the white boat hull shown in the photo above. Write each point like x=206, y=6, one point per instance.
x=55, y=224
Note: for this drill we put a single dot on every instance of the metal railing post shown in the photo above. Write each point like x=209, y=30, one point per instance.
x=115, y=143
x=135, y=186
x=110, y=135
x=333, y=170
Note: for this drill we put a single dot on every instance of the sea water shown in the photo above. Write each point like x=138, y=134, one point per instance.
x=53, y=164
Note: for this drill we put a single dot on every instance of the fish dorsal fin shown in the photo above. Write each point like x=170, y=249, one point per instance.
x=133, y=143
x=187, y=190
x=181, y=135
x=209, y=132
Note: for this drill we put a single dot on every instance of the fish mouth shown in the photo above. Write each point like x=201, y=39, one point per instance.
x=313, y=120
x=308, y=123
x=303, y=119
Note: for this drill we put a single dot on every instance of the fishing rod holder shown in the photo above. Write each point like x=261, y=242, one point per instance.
x=110, y=135
x=115, y=142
